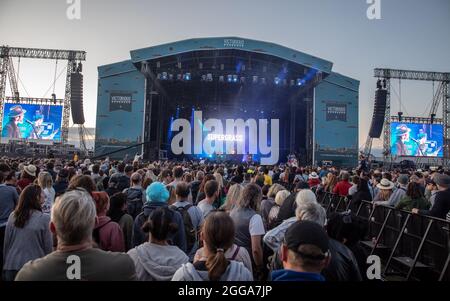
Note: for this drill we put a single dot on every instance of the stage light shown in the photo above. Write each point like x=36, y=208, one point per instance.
x=170, y=76
x=263, y=81
x=230, y=78
x=222, y=66
x=164, y=76
x=209, y=77
x=221, y=79
x=277, y=80
x=235, y=78
x=203, y=77
x=255, y=79
x=187, y=76
x=299, y=82
x=179, y=76
x=179, y=65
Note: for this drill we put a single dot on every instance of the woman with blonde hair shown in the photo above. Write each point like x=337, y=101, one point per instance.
x=233, y=195
x=45, y=181
x=273, y=214
x=331, y=181
x=386, y=188
x=267, y=204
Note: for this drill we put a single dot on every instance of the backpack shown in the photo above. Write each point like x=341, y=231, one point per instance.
x=134, y=205
x=96, y=234
x=190, y=231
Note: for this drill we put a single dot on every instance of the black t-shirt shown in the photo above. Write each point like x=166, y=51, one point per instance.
x=237, y=179
x=287, y=209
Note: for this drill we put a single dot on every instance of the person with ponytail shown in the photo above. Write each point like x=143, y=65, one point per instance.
x=218, y=236
x=157, y=260
x=27, y=235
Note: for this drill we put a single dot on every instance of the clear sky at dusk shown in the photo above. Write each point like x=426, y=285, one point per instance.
x=412, y=34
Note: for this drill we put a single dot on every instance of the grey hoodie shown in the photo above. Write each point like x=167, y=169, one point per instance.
x=236, y=271
x=155, y=262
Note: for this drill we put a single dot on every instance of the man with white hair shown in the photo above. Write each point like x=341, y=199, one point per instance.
x=72, y=220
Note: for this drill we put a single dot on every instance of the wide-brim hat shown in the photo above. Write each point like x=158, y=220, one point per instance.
x=385, y=184
x=314, y=175
x=401, y=130
x=30, y=169
x=16, y=111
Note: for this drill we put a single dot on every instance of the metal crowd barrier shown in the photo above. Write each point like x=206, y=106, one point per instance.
x=419, y=243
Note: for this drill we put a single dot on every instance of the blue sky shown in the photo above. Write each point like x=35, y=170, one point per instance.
x=412, y=34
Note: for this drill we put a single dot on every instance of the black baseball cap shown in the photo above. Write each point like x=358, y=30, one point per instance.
x=307, y=233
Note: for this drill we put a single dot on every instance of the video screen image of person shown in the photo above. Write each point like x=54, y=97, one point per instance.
x=31, y=121
x=414, y=139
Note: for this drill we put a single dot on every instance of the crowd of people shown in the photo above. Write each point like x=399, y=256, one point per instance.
x=186, y=221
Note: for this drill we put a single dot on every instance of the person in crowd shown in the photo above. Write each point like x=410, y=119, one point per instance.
x=222, y=194
x=120, y=178
x=201, y=193
x=397, y=195
x=218, y=234
x=354, y=188
x=287, y=210
x=304, y=253
x=195, y=185
x=27, y=234
x=192, y=218
x=113, y=186
x=331, y=182
x=157, y=196
x=157, y=260
x=61, y=182
x=118, y=213
x=50, y=168
x=166, y=176
x=45, y=181
x=413, y=198
x=343, y=185
x=239, y=175
x=273, y=214
x=172, y=195
x=267, y=178
x=82, y=181
x=11, y=180
x=430, y=191
x=268, y=203
x=385, y=191
x=441, y=206
x=135, y=195
x=72, y=220
x=107, y=234
x=362, y=194
x=178, y=176
x=249, y=226
x=233, y=195
x=211, y=194
x=313, y=180
x=27, y=177
x=349, y=230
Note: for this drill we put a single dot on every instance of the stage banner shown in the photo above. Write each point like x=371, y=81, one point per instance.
x=336, y=111
x=120, y=101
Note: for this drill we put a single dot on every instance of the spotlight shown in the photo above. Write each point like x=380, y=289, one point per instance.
x=235, y=78
x=203, y=77
x=242, y=79
x=209, y=77
x=299, y=82
x=276, y=80
x=164, y=76
x=255, y=79
x=230, y=78
x=187, y=76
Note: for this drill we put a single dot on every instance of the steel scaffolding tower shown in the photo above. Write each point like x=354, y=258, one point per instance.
x=442, y=96
x=7, y=70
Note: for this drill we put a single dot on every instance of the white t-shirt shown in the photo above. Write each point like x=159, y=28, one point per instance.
x=49, y=199
x=256, y=226
x=205, y=207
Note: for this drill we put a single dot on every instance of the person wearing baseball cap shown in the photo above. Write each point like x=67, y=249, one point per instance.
x=441, y=206
x=15, y=115
x=305, y=253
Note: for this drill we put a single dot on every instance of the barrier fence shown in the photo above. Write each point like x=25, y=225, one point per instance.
x=411, y=246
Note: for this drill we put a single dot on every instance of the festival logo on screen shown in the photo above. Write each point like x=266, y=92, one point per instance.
x=214, y=136
x=120, y=101
x=31, y=121
x=417, y=140
x=336, y=111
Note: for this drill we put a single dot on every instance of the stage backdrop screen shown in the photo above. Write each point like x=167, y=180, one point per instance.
x=32, y=121
x=416, y=139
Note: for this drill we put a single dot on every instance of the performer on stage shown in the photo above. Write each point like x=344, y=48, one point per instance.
x=404, y=146
x=36, y=126
x=15, y=116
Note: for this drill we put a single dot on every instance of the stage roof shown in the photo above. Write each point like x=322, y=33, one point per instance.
x=230, y=43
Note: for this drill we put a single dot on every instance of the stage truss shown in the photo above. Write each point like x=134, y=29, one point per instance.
x=7, y=71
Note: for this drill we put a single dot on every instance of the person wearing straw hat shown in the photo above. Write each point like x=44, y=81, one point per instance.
x=15, y=115
x=27, y=177
x=385, y=191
